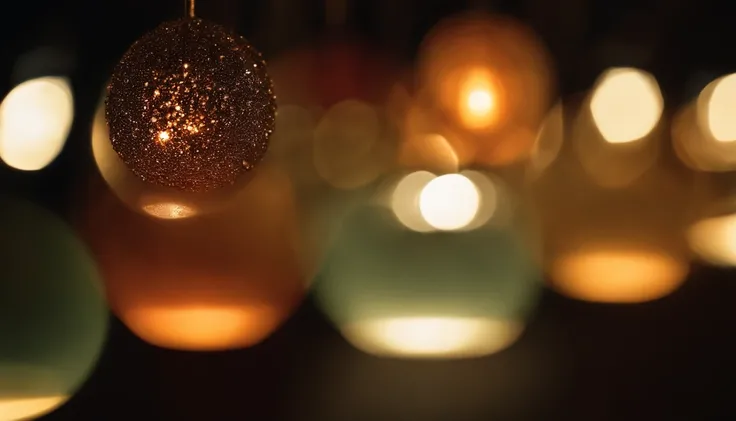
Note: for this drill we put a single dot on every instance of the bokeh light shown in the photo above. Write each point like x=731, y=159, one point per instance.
x=35, y=119
x=201, y=326
x=425, y=202
x=549, y=141
x=429, y=294
x=479, y=98
x=491, y=78
x=703, y=132
x=405, y=200
x=626, y=104
x=432, y=336
x=428, y=143
x=616, y=131
x=53, y=316
x=449, y=202
x=618, y=273
x=351, y=145
x=719, y=110
x=713, y=237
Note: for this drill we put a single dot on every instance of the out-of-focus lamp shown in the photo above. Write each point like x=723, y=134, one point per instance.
x=209, y=283
x=53, y=317
x=490, y=78
x=417, y=276
x=35, y=119
x=610, y=234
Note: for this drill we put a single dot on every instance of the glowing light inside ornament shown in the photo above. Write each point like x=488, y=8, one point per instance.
x=169, y=210
x=433, y=336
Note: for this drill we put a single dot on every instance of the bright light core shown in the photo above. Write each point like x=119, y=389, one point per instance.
x=35, y=119
x=449, y=202
x=480, y=102
x=17, y=409
x=432, y=337
x=626, y=105
x=722, y=110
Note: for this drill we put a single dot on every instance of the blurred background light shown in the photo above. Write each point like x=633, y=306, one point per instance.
x=53, y=316
x=626, y=104
x=548, y=142
x=490, y=76
x=351, y=145
x=424, y=202
x=432, y=336
x=23, y=409
x=703, y=131
x=432, y=294
x=449, y=202
x=480, y=98
x=618, y=273
x=713, y=237
x=202, y=327
x=617, y=130
x=292, y=144
x=428, y=143
x=405, y=200
x=719, y=109
x=627, y=246
x=220, y=281
x=35, y=120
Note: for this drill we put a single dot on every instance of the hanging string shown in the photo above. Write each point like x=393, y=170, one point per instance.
x=189, y=8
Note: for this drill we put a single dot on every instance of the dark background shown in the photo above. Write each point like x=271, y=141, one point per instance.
x=667, y=360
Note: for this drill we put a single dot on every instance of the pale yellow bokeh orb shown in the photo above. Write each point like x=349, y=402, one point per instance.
x=449, y=202
x=721, y=110
x=626, y=105
x=405, y=200
x=35, y=119
x=714, y=239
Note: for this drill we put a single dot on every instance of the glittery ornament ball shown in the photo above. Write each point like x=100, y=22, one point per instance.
x=190, y=106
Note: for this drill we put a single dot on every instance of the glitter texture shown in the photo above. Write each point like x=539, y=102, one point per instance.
x=190, y=106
